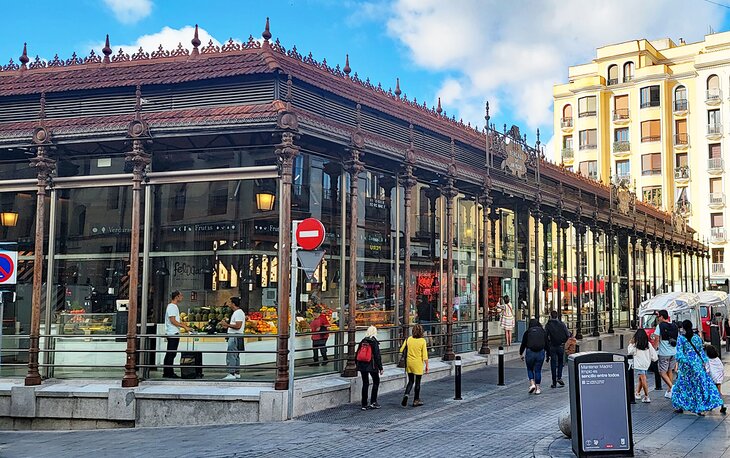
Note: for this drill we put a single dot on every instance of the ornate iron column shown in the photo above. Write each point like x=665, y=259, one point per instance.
x=684, y=268
x=692, y=270
x=653, y=262
x=662, y=249
x=609, y=293
x=408, y=181
x=698, y=258
x=285, y=153
x=633, y=283
x=354, y=166
x=579, y=230
x=645, y=277
x=45, y=167
x=139, y=159
x=486, y=201
x=564, y=226
x=594, y=231
x=547, y=230
x=559, y=266
x=536, y=215
x=449, y=192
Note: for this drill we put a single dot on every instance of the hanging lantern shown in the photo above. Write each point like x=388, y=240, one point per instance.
x=9, y=219
x=265, y=201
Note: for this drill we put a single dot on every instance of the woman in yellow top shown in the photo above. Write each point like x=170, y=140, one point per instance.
x=417, y=356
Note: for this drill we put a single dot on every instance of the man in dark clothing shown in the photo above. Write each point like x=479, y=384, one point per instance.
x=426, y=313
x=557, y=335
x=534, y=343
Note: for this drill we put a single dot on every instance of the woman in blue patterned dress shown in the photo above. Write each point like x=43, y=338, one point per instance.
x=694, y=390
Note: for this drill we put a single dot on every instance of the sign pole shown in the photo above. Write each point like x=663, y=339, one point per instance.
x=292, y=318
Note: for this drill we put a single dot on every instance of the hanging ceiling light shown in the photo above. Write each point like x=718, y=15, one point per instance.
x=265, y=200
x=9, y=219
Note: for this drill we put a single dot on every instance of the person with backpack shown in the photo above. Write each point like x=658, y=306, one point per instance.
x=664, y=340
x=557, y=335
x=534, y=343
x=694, y=390
x=643, y=354
x=369, y=364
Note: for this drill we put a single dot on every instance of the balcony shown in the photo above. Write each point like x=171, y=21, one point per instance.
x=628, y=78
x=587, y=114
x=681, y=174
x=650, y=104
x=718, y=235
x=622, y=148
x=681, y=141
x=713, y=96
x=717, y=199
x=622, y=179
x=612, y=81
x=680, y=106
x=566, y=124
x=718, y=268
x=714, y=131
x=567, y=154
x=684, y=208
x=621, y=116
x=715, y=165
x=587, y=146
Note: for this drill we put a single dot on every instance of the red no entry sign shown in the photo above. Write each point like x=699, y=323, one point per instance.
x=310, y=234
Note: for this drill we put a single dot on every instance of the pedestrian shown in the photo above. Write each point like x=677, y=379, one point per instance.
x=534, y=342
x=694, y=390
x=370, y=364
x=235, y=338
x=416, y=360
x=172, y=330
x=426, y=314
x=643, y=353
x=507, y=321
x=716, y=370
x=319, y=327
x=664, y=340
x=557, y=335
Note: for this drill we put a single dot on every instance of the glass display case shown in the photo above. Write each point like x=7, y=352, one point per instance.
x=82, y=323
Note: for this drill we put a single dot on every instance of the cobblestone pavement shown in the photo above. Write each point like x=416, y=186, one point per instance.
x=489, y=421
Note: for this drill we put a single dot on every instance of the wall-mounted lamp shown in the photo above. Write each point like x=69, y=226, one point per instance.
x=9, y=219
x=265, y=201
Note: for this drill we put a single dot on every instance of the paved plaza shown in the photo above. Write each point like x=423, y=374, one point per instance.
x=489, y=421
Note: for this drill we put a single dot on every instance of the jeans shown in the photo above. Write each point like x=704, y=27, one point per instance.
x=172, y=344
x=233, y=357
x=411, y=379
x=557, y=354
x=365, y=382
x=321, y=346
x=533, y=360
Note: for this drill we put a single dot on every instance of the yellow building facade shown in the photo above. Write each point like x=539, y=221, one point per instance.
x=649, y=114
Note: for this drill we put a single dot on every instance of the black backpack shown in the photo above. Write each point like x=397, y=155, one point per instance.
x=536, y=338
x=669, y=332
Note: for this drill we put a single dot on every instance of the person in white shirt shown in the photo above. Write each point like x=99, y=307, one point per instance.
x=235, y=341
x=716, y=370
x=643, y=353
x=172, y=329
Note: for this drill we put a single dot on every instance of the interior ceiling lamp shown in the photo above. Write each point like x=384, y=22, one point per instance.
x=9, y=219
x=265, y=200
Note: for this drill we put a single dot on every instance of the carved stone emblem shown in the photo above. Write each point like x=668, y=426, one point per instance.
x=623, y=200
x=516, y=159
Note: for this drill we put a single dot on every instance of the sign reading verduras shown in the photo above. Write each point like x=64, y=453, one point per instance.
x=604, y=416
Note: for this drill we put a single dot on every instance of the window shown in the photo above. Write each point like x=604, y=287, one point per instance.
x=649, y=96
x=680, y=132
x=613, y=75
x=218, y=198
x=650, y=131
x=713, y=82
x=713, y=117
x=587, y=139
x=652, y=195
x=714, y=151
x=623, y=168
x=716, y=220
x=568, y=142
x=621, y=107
x=680, y=160
x=589, y=169
x=680, y=98
x=567, y=111
x=621, y=135
x=587, y=106
x=651, y=164
x=715, y=185
x=718, y=255
x=628, y=71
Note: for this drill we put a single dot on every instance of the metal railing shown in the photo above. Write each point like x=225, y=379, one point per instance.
x=651, y=138
x=718, y=268
x=621, y=146
x=586, y=114
x=566, y=122
x=620, y=114
x=587, y=146
x=718, y=234
x=681, y=173
x=681, y=139
x=612, y=81
x=717, y=198
x=622, y=178
x=713, y=95
x=628, y=78
x=715, y=164
x=649, y=103
x=593, y=175
x=684, y=208
x=681, y=105
x=714, y=129
x=567, y=153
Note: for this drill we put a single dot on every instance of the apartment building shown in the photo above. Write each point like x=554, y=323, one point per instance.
x=649, y=114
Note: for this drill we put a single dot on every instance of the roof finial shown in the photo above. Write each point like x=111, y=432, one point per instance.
x=24, y=58
x=397, y=88
x=138, y=102
x=288, y=92
x=106, y=50
x=42, y=112
x=347, y=68
x=486, y=116
x=537, y=144
x=267, y=33
x=195, y=42
x=439, y=110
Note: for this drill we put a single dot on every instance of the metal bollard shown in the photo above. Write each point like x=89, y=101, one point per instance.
x=621, y=342
x=631, y=385
x=657, y=378
x=457, y=378
x=577, y=348
x=600, y=345
x=500, y=366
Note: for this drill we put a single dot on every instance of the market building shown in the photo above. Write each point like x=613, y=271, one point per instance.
x=126, y=177
x=648, y=114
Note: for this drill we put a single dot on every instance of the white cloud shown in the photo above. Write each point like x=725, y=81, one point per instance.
x=168, y=37
x=512, y=53
x=129, y=11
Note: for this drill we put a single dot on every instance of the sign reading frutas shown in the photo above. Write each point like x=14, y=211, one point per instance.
x=516, y=159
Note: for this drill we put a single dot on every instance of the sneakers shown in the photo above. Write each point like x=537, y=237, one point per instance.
x=237, y=375
x=537, y=390
x=723, y=410
x=417, y=403
x=229, y=377
x=637, y=396
x=374, y=405
x=560, y=382
x=553, y=385
x=668, y=394
x=404, y=401
x=364, y=408
x=532, y=388
x=645, y=400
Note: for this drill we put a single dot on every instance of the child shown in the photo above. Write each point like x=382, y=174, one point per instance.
x=716, y=370
x=643, y=354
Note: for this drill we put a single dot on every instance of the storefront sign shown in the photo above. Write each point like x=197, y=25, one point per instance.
x=502, y=272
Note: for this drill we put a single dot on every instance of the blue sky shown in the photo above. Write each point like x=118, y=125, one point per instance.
x=465, y=51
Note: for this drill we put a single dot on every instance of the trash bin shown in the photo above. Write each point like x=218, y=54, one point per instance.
x=599, y=405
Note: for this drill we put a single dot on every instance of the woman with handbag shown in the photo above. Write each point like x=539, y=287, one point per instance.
x=415, y=355
x=693, y=390
x=507, y=320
